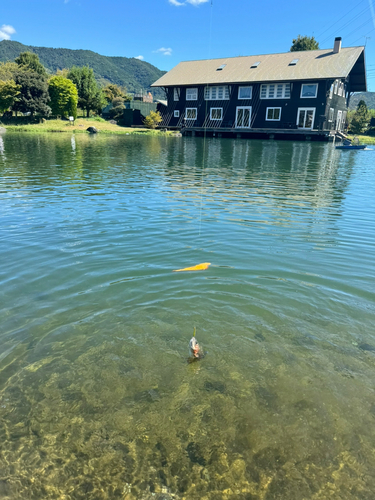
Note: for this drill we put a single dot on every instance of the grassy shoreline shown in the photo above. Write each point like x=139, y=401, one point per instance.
x=80, y=126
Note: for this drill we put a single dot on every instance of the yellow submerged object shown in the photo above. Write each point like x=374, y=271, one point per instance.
x=198, y=267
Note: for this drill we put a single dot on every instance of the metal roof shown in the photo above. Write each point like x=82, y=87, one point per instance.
x=311, y=65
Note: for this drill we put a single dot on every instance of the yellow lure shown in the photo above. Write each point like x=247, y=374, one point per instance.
x=199, y=267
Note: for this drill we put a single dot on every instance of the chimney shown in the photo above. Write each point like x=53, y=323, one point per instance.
x=337, y=45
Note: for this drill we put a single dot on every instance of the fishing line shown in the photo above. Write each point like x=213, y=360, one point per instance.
x=205, y=124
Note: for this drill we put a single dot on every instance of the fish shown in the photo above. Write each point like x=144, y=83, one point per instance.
x=198, y=267
x=195, y=350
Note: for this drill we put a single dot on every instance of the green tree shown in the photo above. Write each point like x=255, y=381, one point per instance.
x=111, y=91
x=33, y=95
x=90, y=97
x=30, y=61
x=153, y=119
x=64, y=96
x=304, y=43
x=360, y=119
x=7, y=70
x=9, y=91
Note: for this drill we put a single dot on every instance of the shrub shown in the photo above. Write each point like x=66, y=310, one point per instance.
x=153, y=119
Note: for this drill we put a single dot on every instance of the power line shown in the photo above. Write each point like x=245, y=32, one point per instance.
x=334, y=24
x=348, y=23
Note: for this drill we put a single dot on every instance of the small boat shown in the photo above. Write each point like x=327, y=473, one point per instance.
x=354, y=144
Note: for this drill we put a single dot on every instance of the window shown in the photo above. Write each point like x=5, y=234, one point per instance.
x=336, y=85
x=176, y=113
x=273, y=114
x=176, y=94
x=216, y=114
x=255, y=65
x=275, y=91
x=192, y=94
x=220, y=68
x=191, y=113
x=294, y=62
x=331, y=91
x=309, y=90
x=244, y=92
x=330, y=114
x=216, y=93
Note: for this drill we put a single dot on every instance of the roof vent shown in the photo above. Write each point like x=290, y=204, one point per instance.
x=337, y=45
x=221, y=67
x=255, y=65
x=294, y=62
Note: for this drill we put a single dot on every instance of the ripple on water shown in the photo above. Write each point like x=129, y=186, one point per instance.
x=97, y=399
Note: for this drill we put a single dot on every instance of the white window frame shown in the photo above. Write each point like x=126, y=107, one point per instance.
x=245, y=87
x=331, y=91
x=248, y=108
x=191, y=109
x=176, y=113
x=192, y=94
x=176, y=94
x=272, y=91
x=216, y=93
x=309, y=85
x=221, y=113
x=339, y=120
x=313, y=118
x=330, y=114
x=273, y=119
x=336, y=86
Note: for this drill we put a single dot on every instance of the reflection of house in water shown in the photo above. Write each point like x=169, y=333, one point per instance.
x=292, y=188
x=290, y=95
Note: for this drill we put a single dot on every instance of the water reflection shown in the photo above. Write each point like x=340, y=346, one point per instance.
x=96, y=397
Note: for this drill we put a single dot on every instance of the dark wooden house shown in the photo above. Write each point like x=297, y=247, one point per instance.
x=305, y=93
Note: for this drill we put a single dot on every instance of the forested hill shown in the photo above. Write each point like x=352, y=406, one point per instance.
x=368, y=97
x=134, y=74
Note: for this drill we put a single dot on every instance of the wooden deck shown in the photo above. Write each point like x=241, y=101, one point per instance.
x=260, y=133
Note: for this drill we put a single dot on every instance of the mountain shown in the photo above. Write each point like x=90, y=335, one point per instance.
x=368, y=97
x=134, y=74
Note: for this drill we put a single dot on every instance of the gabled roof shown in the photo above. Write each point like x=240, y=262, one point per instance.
x=311, y=65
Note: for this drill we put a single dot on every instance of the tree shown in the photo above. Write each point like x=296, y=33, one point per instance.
x=111, y=91
x=360, y=119
x=64, y=96
x=90, y=97
x=31, y=62
x=7, y=70
x=304, y=43
x=9, y=91
x=33, y=95
x=153, y=119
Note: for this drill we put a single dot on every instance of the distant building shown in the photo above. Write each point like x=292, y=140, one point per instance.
x=305, y=93
x=144, y=97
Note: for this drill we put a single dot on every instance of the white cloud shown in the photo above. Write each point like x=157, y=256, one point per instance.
x=139, y=57
x=6, y=31
x=185, y=2
x=164, y=51
x=196, y=2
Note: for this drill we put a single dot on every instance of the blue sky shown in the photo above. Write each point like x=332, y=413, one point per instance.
x=165, y=32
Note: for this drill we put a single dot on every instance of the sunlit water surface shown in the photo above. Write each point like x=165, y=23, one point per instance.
x=97, y=400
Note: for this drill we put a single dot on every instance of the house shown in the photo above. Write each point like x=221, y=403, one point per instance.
x=294, y=93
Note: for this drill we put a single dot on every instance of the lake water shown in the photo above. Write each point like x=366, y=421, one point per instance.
x=97, y=399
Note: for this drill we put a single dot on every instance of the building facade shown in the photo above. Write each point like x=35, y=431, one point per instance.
x=290, y=93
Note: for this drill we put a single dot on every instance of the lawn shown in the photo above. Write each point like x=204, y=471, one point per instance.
x=80, y=125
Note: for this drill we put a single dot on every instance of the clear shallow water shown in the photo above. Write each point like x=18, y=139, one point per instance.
x=97, y=400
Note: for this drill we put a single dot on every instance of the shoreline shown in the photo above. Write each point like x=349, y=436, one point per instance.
x=80, y=126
